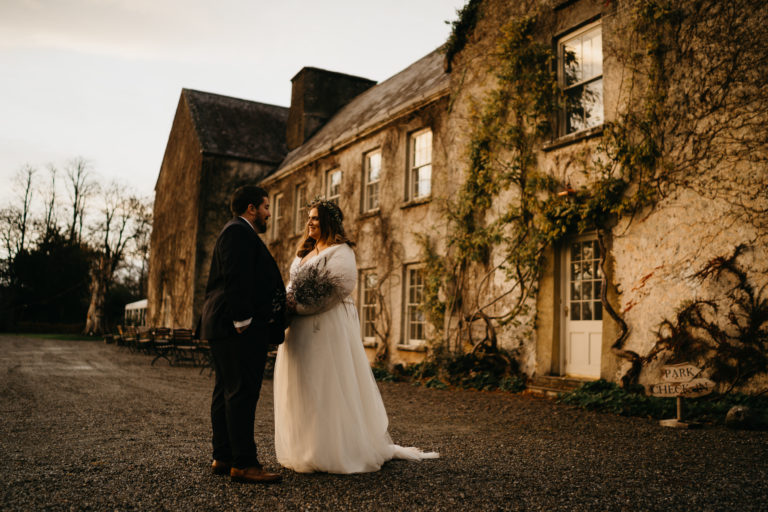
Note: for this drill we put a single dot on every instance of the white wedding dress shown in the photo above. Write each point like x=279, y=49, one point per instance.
x=329, y=415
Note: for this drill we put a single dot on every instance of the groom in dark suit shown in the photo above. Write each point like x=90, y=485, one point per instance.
x=242, y=315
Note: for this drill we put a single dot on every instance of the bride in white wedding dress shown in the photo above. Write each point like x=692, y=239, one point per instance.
x=329, y=415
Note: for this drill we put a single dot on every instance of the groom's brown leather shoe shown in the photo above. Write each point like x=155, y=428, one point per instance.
x=219, y=467
x=254, y=474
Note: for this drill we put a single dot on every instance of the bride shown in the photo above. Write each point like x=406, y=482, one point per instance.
x=329, y=415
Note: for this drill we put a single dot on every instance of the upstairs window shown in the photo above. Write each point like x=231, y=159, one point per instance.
x=371, y=178
x=299, y=209
x=333, y=185
x=419, y=164
x=580, y=55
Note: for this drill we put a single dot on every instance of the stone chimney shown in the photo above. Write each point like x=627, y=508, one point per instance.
x=316, y=95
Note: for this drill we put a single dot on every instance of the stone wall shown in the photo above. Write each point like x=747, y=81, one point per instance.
x=654, y=253
x=174, y=233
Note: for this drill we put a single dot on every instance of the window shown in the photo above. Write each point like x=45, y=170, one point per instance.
x=369, y=281
x=333, y=185
x=371, y=177
x=277, y=214
x=299, y=208
x=581, y=75
x=415, y=320
x=420, y=164
x=585, y=281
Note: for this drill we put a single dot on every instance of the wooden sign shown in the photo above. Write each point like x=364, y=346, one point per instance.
x=680, y=381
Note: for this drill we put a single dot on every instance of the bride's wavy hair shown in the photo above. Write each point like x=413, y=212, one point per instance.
x=331, y=227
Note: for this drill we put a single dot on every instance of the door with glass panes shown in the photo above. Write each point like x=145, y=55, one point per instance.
x=582, y=308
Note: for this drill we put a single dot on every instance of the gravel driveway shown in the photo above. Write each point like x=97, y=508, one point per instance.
x=89, y=426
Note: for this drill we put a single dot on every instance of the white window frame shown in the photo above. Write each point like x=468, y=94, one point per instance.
x=416, y=170
x=277, y=213
x=299, y=208
x=594, y=81
x=414, y=317
x=371, y=187
x=368, y=305
x=333, y=195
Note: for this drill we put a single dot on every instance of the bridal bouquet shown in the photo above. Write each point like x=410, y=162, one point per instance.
x=313, y=288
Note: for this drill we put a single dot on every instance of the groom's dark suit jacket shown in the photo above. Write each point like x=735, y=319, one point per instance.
x=244, y=282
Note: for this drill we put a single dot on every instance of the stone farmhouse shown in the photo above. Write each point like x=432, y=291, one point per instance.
x=603, y=290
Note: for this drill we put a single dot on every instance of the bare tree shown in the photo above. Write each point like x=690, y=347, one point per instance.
x=141, y=209
x=122, y=220
x=80, y=188
x=24, y=186
x=15, y=218
x=49, y=223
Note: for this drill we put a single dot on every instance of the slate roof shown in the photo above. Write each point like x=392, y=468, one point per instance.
x=238, y=128
x=420, y=82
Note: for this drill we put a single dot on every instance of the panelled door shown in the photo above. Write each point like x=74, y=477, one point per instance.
x=582, y=310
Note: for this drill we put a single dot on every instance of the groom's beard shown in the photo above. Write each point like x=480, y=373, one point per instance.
x=260, y=225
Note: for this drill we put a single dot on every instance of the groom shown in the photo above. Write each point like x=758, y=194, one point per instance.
x=242, y=316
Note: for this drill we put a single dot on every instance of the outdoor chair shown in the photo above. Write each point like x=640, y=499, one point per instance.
x=120, y=339
x=130, y=338
x=184, y=347
x=162, y=344
x=144, y=340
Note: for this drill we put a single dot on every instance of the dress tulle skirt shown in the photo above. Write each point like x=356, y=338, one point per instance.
x=329, y=415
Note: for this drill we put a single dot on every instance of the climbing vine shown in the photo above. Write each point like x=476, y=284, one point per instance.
x=461, y=29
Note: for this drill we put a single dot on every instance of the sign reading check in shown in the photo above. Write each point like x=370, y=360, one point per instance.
x=680, y=381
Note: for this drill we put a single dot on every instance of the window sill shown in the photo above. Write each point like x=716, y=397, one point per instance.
x=572, y=138
x=369, y=214
x=415, y=202
x=370, y=344
x=412, y=348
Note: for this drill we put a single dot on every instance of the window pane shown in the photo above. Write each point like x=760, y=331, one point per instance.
x=598, y=311
x=575, y=291
x=374, y=167
x=592, y=53
x=334, y=185
x=598, y=289
x=586, y=311
x=586, y=287
x=422, y=145
x=372, y=201
x=575, y=311
x=593, y=103
x=423, y=181
x=575, y=271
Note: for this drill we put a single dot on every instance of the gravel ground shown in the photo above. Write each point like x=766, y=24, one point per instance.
x=89, y=426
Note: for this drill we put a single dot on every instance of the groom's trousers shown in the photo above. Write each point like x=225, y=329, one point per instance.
x=239, y=365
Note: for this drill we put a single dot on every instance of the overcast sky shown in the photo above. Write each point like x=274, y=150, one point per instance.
x=101, y=78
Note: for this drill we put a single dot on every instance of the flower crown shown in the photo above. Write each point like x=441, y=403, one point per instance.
x=331, y=208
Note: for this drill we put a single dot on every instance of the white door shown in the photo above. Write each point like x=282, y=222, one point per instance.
x=582, y=311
